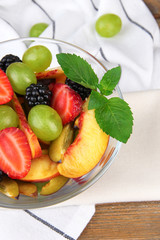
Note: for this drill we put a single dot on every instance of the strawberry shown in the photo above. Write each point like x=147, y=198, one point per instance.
x=66, y=102
x=15, y=153
x=6, y=91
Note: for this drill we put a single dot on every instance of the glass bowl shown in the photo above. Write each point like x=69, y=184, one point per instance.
x=74, y=186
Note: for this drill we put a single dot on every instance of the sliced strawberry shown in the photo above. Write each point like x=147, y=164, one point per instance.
x=24, y=126
x=66, y=102
x=6, y=91
x=15, y=153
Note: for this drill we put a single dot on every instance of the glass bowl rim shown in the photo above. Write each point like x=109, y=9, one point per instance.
x=105, y=167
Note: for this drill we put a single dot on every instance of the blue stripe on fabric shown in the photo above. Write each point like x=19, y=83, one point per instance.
x=49, y=225
x=132, y=21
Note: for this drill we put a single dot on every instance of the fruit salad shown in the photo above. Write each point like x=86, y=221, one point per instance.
x=50, y=130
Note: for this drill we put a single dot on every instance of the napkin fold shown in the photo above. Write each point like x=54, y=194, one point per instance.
x=134, y=175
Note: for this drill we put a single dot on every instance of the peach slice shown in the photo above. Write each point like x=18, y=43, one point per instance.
x=27, y=189
x=9, y=187
x=42, y=169
x=59, y=146
x=54, y=185
x=24, y=126
x=56, y=73
x=86, y=150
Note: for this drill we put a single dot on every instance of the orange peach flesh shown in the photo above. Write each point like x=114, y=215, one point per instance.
x=87, y=149
x=42, y=169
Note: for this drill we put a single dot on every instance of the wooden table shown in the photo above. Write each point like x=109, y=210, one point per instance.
x=132, y=221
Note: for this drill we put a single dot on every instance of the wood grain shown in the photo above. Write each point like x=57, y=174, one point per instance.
x=131, y=221
x=154, y=6
x=127, y=221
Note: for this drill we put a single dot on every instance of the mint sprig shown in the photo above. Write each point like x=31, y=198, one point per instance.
x=78, y=70
x=113, y=115
x=96, y=100
x=109, y=81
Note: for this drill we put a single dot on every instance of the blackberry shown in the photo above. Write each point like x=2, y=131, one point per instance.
x=81, y=90
x=7, y=60
x=38, y=94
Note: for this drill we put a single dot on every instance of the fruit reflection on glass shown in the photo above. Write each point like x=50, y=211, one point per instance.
x=58, y=124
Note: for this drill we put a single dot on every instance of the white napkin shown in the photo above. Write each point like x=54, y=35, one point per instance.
x=136, y=49
x=45, y=224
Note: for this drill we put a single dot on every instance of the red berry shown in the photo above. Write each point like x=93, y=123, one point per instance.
x=6, y=91
x=15, y=153
x=66, y=102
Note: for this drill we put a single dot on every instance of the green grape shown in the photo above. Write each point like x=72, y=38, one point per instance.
x=45, y=122
x=108, y=25
x=38, y=58
x=9, y=117
x=37, y=29
x=20, y=76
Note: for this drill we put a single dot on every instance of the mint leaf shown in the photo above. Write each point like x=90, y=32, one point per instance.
x=96, y=100
x=78, y=70
x=109, y=81
x=115, y=119
x=39, y=185
x=113, y=115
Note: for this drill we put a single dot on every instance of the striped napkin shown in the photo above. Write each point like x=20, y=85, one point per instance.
x=135, y=49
